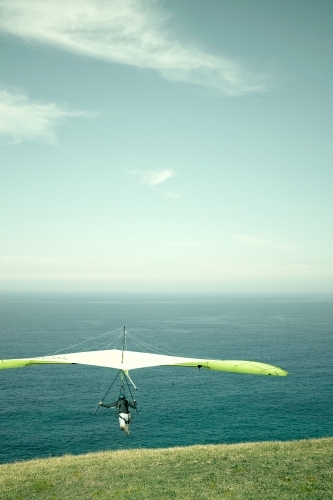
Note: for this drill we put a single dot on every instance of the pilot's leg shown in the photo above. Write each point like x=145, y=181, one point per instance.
x=122, y=421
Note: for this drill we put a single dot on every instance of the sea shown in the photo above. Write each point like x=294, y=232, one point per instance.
x=51, y=410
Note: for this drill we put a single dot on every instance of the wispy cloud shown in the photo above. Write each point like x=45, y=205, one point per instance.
x=154, y=179
x=22, y=118
x=184, y=244
x=262, y=241
x=172, y=194
x=133, y=32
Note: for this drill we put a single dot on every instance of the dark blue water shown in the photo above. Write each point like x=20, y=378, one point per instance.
x=48, y=410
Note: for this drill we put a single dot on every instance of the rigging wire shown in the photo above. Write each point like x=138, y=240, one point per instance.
x=84, y=341
x=129, y=389
x=107, y=392
x=146, y=345
x=106, y=375
x=137, y=345
x=106, y=346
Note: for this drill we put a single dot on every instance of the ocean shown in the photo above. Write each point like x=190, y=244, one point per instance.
x=49, y=410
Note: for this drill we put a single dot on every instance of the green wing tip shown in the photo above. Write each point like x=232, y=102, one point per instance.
x=277, y=373
x=13, y=363
x=5, y=364
x=249, y=367
x=237, y=366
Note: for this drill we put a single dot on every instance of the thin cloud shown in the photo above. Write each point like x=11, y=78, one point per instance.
x=153, y=178
x=132, y=32
x=22, y=118
x=262, y=241
x=172, y=194
x=184, y=244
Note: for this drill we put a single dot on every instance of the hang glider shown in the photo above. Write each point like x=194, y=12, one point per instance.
x=130, y=360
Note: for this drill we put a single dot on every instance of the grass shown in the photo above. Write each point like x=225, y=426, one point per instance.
x=250, y=471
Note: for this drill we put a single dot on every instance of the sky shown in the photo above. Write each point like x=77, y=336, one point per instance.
x=166, y=146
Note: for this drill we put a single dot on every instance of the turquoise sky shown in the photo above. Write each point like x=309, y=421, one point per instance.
x=166, y=146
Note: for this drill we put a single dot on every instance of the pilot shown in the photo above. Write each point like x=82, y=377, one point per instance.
x=123, y=411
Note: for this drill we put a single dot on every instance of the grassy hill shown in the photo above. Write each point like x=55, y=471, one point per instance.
x=256, y=471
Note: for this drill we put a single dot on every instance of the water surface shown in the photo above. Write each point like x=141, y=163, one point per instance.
x=48, y=410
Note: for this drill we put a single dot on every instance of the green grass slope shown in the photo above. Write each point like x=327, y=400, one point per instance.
x=256, y=471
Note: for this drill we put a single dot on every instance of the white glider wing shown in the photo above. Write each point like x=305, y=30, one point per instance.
x=130, y=360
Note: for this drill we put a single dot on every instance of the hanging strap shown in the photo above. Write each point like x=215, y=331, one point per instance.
x=129, y=389
x=107, y=392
